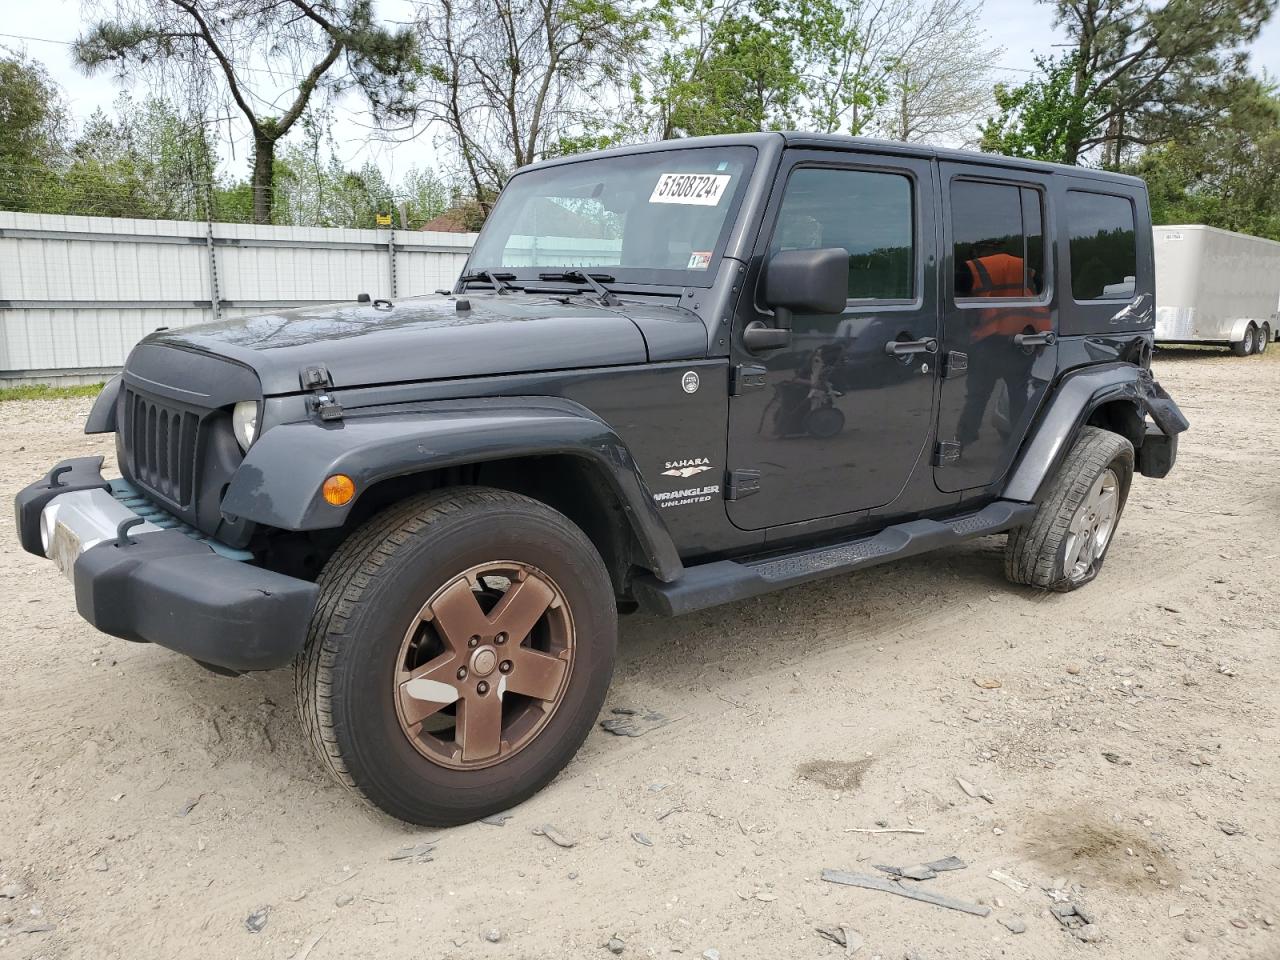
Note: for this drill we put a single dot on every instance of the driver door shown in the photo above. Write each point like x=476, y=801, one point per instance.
x=835, y=422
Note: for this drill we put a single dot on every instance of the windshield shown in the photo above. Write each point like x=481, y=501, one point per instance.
x=644, y=218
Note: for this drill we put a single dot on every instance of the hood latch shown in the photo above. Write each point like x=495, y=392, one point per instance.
x=316, y=379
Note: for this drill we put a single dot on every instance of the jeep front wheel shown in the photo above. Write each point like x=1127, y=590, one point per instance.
x=459, y=654
x=1064, y=545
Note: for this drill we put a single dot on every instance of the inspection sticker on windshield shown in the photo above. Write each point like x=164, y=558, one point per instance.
x=700, y=189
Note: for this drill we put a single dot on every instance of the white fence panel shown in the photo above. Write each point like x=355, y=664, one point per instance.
x=76, y=293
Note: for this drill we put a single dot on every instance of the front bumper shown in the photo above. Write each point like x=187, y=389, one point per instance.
x=139, y=581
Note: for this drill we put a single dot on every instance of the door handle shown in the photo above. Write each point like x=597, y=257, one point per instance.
x=1035, y=339
x=898, y=348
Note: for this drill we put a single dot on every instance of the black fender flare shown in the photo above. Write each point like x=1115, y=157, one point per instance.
x=279, y=483
x=1077, y=395
x=102, y=415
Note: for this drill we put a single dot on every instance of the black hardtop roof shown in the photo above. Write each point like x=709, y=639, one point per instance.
x=835, y=141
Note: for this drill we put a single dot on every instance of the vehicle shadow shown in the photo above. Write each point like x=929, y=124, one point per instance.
x=254, y=717
x=1189, y=353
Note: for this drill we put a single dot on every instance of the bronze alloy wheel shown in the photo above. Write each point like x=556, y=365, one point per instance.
x=484, y=665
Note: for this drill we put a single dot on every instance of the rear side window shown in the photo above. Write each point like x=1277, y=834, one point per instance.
x=1104, y=250
x=998, y=240
x=868, y=213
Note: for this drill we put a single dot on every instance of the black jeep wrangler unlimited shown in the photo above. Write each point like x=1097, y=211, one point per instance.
x=671, y=376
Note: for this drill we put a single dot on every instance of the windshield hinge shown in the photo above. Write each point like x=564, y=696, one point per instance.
x=316, y=379
x=746, y=377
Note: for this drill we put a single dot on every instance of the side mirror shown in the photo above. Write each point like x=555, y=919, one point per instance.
x=808, y=281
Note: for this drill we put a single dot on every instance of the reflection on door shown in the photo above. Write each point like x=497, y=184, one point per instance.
x=997, y=333
x=839, y=422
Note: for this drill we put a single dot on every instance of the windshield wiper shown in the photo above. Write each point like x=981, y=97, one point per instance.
x=606, y=296
x=497, y=280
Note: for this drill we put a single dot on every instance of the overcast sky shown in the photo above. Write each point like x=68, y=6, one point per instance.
x=1019, y=27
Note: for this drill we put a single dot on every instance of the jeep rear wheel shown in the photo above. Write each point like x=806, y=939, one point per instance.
x=459, y=655
x=1064, y=545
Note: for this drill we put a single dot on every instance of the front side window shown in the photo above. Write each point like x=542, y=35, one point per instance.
x=998, y=240
x=1104, y=249
x=659, y=217
x=867, y=212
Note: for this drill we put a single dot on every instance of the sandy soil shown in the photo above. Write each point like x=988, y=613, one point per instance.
x=149, y=808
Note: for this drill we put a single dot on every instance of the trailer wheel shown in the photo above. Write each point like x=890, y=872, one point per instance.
x=1244, y=346
x=1263, y=338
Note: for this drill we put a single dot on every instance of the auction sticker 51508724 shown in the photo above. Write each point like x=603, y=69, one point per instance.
x=699, y=189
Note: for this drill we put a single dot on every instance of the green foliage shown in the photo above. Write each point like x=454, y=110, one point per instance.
x=33, y=124
x=1141, y=72
x=425, y=194
x=741, y=67
x=744, y=78
x=43, y=391
x=1226, y=175
x=843, y=81
x=329, y=46
x=511, y=82
x=1043, y=117
x=32, y=115
x=146, y=161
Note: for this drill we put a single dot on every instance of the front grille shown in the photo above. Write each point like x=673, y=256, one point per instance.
x=161, y=446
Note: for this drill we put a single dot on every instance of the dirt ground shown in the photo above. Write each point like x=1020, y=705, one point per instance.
x=1127, y=736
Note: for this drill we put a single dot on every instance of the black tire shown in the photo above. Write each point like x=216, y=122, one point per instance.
x=1262, y=339
x=373, y=587
x=1036, y=553
x=1245, y=346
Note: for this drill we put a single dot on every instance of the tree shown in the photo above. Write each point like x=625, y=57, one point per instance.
x=147, y=160
x=741, y=73
x=1140, y=72
x=907, y=69
x=1227, y=175
x=305, y=51
x=33, y=129
x=1042, y=118
x=900, y=68
x=938, y=86
x=508, y=80
x=425, y=195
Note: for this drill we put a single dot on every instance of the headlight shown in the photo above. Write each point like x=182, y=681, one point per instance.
x=244, y=422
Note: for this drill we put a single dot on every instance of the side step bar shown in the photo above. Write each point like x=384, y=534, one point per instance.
x=723, y=581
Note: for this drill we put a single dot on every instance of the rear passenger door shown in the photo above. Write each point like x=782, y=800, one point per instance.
x=999, y=329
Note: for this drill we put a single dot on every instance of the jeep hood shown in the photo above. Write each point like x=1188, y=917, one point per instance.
x=429, y=338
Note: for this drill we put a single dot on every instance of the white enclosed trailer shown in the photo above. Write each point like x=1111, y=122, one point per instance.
x=1215, y=286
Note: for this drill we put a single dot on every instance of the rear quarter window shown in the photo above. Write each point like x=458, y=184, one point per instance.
x=1104, y=251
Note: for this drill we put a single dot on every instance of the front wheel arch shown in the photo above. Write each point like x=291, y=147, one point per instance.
x=566, y=483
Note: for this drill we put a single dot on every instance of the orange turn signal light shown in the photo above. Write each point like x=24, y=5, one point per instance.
x=339, y=489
